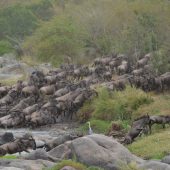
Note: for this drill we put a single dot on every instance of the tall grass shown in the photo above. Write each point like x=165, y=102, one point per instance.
x=119, y=105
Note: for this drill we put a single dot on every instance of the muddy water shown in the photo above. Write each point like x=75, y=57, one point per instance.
x=45, y=132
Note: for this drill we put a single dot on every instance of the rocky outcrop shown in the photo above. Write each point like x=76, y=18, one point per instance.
x=19, y=164
x=154, y=165
x=96, y=150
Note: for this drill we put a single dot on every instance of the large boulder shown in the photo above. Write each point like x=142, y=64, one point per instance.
x=166, y=159
x=154, y=165
x=18, y=164
x=96, y=150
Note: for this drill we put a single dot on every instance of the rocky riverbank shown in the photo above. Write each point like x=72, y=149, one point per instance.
x=92, y=150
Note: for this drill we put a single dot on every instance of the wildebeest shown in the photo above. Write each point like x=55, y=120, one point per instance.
x=30, y=91
x=6, y=137
x=107, y=76
x=9, y=98
x=165, y=78
x=4, y=90
x=61, y=91
x=48, y=90
x=23, y=104
x=36, y=78
x=51, y=79
x=138, y=126
x=123, y=68
x=18, y=145
x=58, y=141
x=142, y=62
x=159, y=119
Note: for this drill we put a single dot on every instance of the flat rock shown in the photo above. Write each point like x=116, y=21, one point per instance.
x=26, y=164
x=9, y=168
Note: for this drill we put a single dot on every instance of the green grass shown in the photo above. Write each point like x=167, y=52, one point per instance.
x=5, y=47
x=130, y=166
x=119, y=105
x=8, y=157
x=154, y=146
x=112, y=106
x=12, y=81
x=160, y=106
x=101, y=113
x=98, y=126
x=76, y=165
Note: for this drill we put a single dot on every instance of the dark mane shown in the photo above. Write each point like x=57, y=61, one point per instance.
x=142, y=117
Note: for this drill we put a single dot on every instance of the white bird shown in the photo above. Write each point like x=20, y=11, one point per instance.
x=90, y=132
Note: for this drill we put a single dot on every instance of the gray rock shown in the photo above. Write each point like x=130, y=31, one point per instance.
x=68, y=168
x=166, y=159
x=62, y=152
x=154, y=165
x=40, y=143
x=96, y=150
x=9, y=168
x=26, y=164
x=40, y=154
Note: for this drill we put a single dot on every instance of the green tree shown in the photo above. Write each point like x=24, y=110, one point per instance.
x=55, y=39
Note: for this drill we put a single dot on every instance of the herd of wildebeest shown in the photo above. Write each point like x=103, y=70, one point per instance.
x=47, y=98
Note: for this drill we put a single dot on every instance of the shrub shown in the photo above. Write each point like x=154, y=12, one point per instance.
x=85, y=111
x=55, y=39
x=160, y=61
x=43, y=10
x=17, y=21
x=119, y=105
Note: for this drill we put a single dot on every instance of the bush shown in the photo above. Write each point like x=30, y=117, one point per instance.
x=55, y=39
x=119, y=105
x=5, y=47
x=17, y=21
x=160, y=61
x=43, y=10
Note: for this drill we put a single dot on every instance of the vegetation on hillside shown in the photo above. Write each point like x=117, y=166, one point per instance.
x=49, y=30
x=154, y=146
x=89, y=28
x=119, y=107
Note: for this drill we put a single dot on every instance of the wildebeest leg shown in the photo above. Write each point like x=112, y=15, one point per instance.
x=6, y=108
x=26, y=150
x=150, y=130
